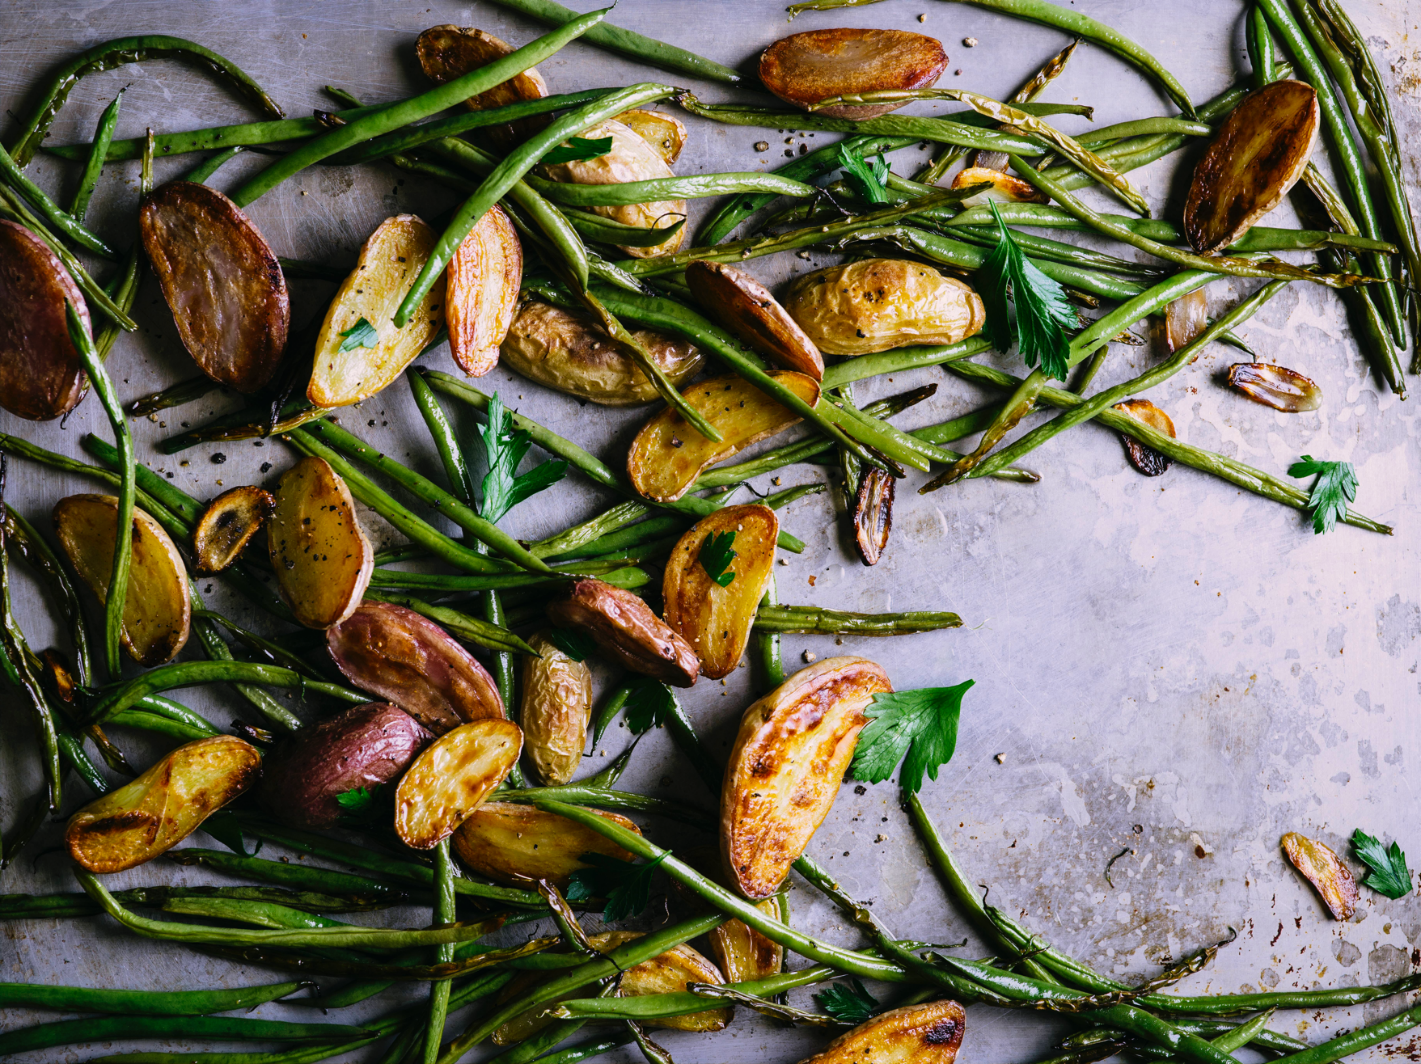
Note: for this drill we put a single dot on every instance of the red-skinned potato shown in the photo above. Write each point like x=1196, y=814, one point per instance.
x=318, y=551
x=805, y=68
x=40, y=374
x=401, y=656
x=448, y=52
x=518, y=844
x=481, y=292
x=449, y=780
x=746, y=308
x=624, y=626
x=363, y=746
x=916, y=1034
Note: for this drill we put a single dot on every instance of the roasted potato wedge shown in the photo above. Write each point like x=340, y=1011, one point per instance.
x=745, y=307
x=805, y=68
x=786, y=765
x=359, y=351
x=631, y=159
x=409, y=660
x=481, y=291
x=880, y=304
x=1276, y=386
x=1330, y=877
x=363, y=746
x=157, y=608
x=568, y=352
x=228, y=525
x=1257, y=157
x=744, y=954
x=448, y=52
x=625, y=627
x=221, y=281
x=516, y=843
x=915, y=1034
x=873, y=515
x=1003, y=187
x=716, y=620
x=666, y=133
x=668, y=454
x=557, y=704
x=151, y=815
x=1185, y=318
x=41, y=377
x=1146, y=460
x=317, y=548
x=451, y=778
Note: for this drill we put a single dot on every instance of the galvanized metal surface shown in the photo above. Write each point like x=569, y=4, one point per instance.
x=1167, y=670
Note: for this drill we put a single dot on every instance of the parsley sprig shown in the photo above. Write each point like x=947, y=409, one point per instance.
x=573, y=642
x=1334, y=488
x=1389, y=874
x=849, y=1002
x=504, y=447
x=361, y=334
x=716, y=556
x=625, y=885
x=578, y=150
x=650, y=703
x=1042, y=310
x=868, y=180
x=919, y=724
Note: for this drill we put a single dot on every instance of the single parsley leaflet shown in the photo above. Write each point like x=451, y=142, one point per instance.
x=505, y=447
x=573, y=642
x=716, y=556
x=578, y=150
x=869, y=180
x=361, y=334
x=649, y=704
x=1334, y=488
x=921, y=724
x=357, y=802
x=1389, y=874
x=849, y=1002
x=1042, y=310
x=626, y=886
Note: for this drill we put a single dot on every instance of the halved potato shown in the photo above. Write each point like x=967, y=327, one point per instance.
x=742, y=952
x=149, y=816
x=221, y=280
x=805, y=68
x=1276, y=386
x=786, y=765
x=228, y=525
x=41, y=377
x=1185, y=318
x=668, y=454
x=666, y=133
x=873, y=515
x=1325, y=871
x=1257, y=157
x=317, y=548
x=447, y=52
x=481, y=293
x=516, y=843
x=880, y=304
x=409, y=660
x=745, y=307
x=567, y=351
x=624, y=626
x=157, y=607
x=449, y=780
x=359, y=351
x=1146, y=460
x=557, y=704
x=1003, y=187
x=915, y=1034
x=716, y=620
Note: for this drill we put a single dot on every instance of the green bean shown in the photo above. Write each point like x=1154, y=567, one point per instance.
x=605, y=798
x=902, y=359
x=142, y=1002
x=446, y=442
x=604, y=524
x=285, y=874
x=70, y=226
x=103, y=134
x=812, y=620
x=22, y=537
x=135, y=718
x=669, y=188
x=443, y=914
x=767, y=642
x=12, y=650
x=594, y=1048
x=187, y=391
x=116, y=1028
x=470, y=629
x=274, y=652
x=606, y=231
x=613, y=573
x=204, y=171
x=125, y=290
x=1262, y=52
x=193, y=673
x=681, y=1003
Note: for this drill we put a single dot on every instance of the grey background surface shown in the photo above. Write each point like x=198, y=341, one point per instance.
x=1165, y=666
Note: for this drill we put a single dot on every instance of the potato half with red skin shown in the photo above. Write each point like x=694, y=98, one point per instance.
x=805, y=68
x=221, y=280
x=915, y=1034
x=41, y=377
x=746, y=307
x=481, y=291
x=363, y=746
x=448, y=52
x=624, y=626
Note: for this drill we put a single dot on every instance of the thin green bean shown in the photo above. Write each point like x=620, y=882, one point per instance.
x=222, y=1029
x=443, y=914
x=767, y=642
x=103, y=134
x=193, y=673
x=811, y=620
x=142, y=1002
x=282, y=873
x=669, y=188
x=470, y=629
x=613, y=573
x=204, y=171
x=12, y=650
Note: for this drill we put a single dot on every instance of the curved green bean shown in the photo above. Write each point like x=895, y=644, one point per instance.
x=23, y=538
x=815, y=620
x=16, y=663
x=446, y=442
x=618, y=234
x=51, y=212
x=203, y=171
x=195, y=673
x=116, y=1028
x=103, y=134
x=695, y=186
x=142, y=1002
x=613, y=573
x=470, y=629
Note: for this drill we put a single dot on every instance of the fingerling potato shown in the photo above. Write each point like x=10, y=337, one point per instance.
x=915, y=1034
x=666, y=133
x=481, y=293
x=447, y=52
x=41, y=377
x=1002, y=188
x=624, y=626
x=449, y=780
x=318, y=551
x=1330, y=877
x=228, y=525
x=744, y=954
x=557, y=704
x=805, y=68
x=516, y=843
x=745, y=307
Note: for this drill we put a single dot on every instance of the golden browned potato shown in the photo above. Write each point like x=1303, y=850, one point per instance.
x=157, y=607
x=1146, y=460
x=228, y=525
x=557, y=704
x=318, y=551
x=668, y=454
x=786, y=765
x=624, y=626
x=666, y=133
x=448, y=52
x=805, y=68
x=915, y=1034
x=1325, y=871
x=151, y=815
x=40, y=374
x=1002, y=188
x=450, y=779
x=880, y=304
x=745, y=307
x=481, y=293
x=517, y=843
x=221, y=281
x=359, y=351
x=1257, y=157
x=742, y=952
x=716, y=619
x=568, y=352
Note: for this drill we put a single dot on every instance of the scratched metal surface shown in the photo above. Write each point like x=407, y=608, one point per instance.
x=1167, y=667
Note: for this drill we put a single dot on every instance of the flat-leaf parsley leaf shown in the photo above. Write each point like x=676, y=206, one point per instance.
x=1042, y=310
x=849, y=1002
x=716, y=556
x=361, y=334
x=573, y=642
x=356, y=802
x=869, y=180
x=578, y=150
x=625, y=885
x=505, y=447
x=648, y=704
x=1389, y=874
x=1335, y=487
x=921, y=724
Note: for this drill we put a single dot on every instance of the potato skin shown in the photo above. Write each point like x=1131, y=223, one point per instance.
x=624, y=626
x=805, y=68
x=747, y=308
x=557, y=704
x=41, y=377
x=915, y=1034
x=880, y=304
x=228, y=525
x=1330, y=877
x=481, y=291
x=664, y=132
x=447, y=52
x=513, y=843
x=318, y=551
x=744, y=954
x=364, y=746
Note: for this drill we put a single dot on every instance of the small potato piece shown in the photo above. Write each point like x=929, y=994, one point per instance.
x=1185, y=318
x=1257, y=157
x=624, y=626
x=786, y=765
x=880, y=304
x=873, y=515
x=516, y=843
x=449, y=780
x=668, y=454
x=221, y=280
x=1146, y=460
x=447, y=52
x=364, y=746
x=1276, y=386
x=228, y=525
x=716, y=620
x=41, y=377
x=151, y=815
x=481, y=291
x=1325, y=871
x=1004, y=188
x=395, y=653
x=666, y=133
x=318, y=550
x=915, y=1034
x=157, y=608
x=345, y=371
x=568, y=352
x=742, y=952
x=557, y=704
x=805, y=68
x=745, y=307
